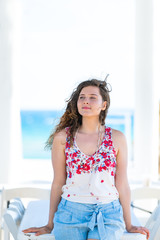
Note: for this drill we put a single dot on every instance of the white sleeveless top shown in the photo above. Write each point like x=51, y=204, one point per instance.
x=91, y=179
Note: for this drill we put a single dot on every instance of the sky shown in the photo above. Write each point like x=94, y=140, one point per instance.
x=66, y=42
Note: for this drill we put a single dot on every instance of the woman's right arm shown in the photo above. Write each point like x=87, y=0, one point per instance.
x=59, y=170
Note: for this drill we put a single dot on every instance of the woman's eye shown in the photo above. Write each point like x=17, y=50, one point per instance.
x=81, y=97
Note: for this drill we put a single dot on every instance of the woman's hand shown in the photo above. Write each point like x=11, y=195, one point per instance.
x=142, y=230
x=39, y=231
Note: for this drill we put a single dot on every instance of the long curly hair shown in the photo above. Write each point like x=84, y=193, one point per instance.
x=71, y=117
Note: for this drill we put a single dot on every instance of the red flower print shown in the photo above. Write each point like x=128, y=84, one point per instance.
x=68, y=195
x=107, y=163
x=100, y=169
x=109, y=143
x=91, y=158
x=70, y=175
x=66, y=154
x=102, y=181
x=104, y=154
x=113, y=164
x=93, y=161
x=78, y=171
x=108, y=130
x=67, y=144
x=86, y=167
x=106, y=158
x=112, y=173
x=104, y=168
x=74, y=154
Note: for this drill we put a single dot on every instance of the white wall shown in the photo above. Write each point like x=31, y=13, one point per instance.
x=10, y=130
x=65, y=42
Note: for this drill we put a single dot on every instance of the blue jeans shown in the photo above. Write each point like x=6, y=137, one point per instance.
x=79, y=221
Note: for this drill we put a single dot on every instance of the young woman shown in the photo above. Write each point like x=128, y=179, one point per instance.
x=90, y=195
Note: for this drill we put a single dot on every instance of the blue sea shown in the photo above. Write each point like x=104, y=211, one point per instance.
x=37, y=125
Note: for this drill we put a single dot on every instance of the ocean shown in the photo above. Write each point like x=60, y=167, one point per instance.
x=36, y=126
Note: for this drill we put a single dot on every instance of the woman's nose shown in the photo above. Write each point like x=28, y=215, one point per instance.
x=86, y=101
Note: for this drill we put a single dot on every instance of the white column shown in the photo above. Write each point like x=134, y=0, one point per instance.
x=146, y=99
x=10, y=133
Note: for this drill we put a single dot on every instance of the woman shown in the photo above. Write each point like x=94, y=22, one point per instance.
x=90, y=195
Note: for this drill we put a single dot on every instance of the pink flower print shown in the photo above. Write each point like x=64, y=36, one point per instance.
x=102, y=181
x=72, y=182
x=109, y=193
x=97, y=198
x=92, y=194
x=68, y=195
x=74, y=194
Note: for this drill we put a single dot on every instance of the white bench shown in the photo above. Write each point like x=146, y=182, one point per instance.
x=36, y=214
x=11, y=217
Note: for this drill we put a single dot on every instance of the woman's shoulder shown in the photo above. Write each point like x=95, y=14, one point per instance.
x=117, y=133
x=60, y=136
x=118, y=137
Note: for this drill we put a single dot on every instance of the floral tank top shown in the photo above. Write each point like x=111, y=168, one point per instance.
x=91, y=179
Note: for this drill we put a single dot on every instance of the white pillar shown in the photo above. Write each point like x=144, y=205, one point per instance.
x=10, y=133
x=146, y=100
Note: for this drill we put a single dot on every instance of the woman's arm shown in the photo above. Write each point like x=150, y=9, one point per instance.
x=59, y=169
x=121, y=182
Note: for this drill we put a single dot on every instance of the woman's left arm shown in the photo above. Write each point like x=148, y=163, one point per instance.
x=121, y=182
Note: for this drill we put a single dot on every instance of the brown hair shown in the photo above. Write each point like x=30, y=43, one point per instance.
x=71, y=117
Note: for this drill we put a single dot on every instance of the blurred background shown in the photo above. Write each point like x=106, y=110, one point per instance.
x=47, y=48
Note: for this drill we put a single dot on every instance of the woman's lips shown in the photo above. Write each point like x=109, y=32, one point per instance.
x=85, y=108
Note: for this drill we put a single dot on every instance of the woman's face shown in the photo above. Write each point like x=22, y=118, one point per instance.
x=90, y=102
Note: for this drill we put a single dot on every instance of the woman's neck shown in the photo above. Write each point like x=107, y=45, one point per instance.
x=89, y=126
